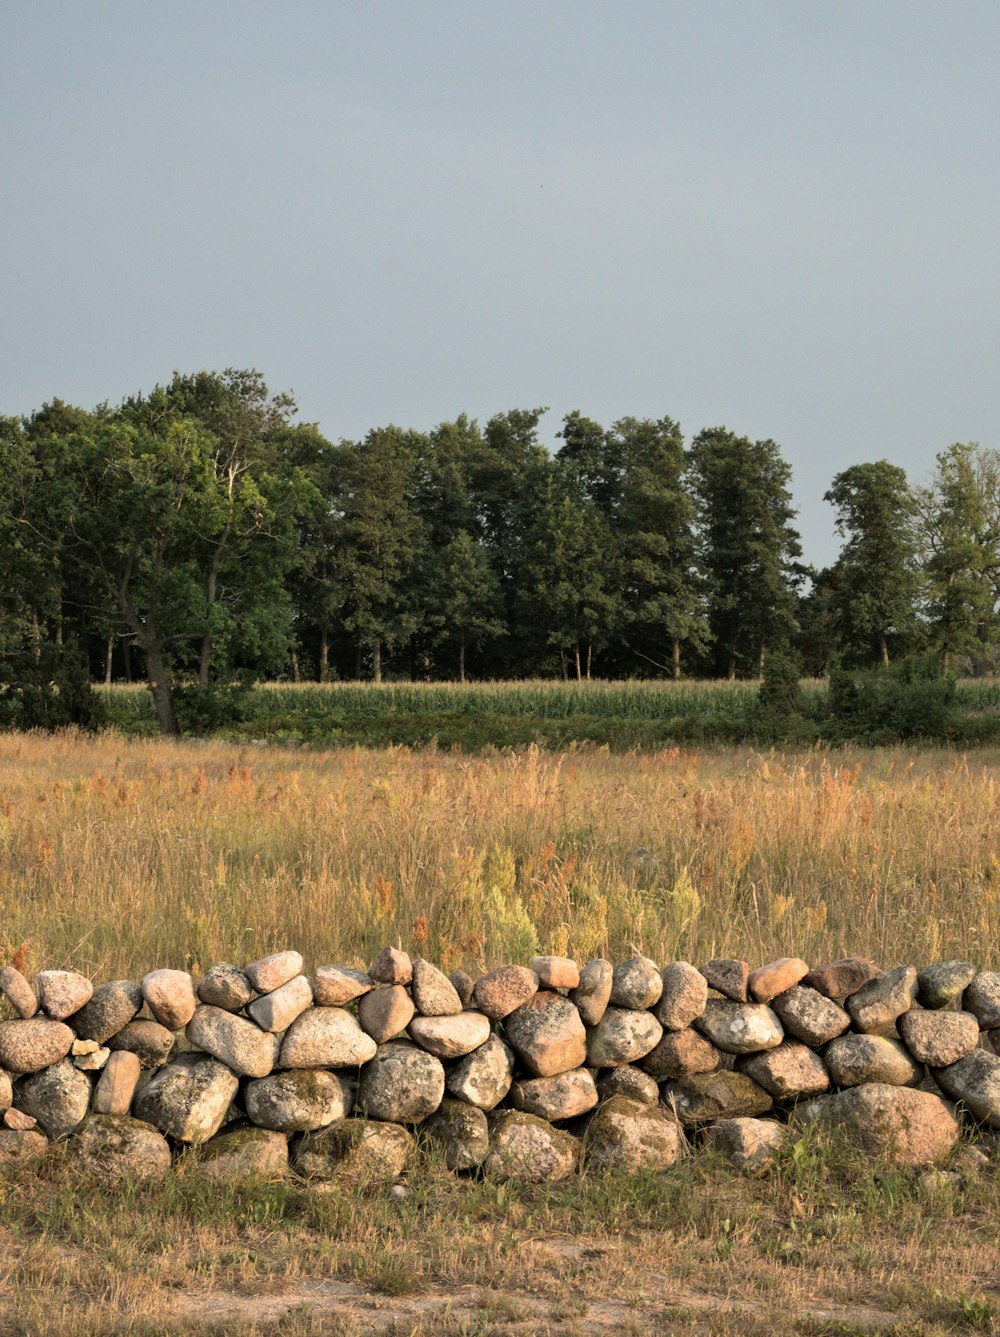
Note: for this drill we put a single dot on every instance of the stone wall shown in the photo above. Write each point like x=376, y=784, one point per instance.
x=529, y=1072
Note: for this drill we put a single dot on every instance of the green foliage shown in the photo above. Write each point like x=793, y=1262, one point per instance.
x=49, y=688
x=213, y=709
x=780, y=693
x=908, y=700
x=196, y=533
x=748, y=546
x=873, y=585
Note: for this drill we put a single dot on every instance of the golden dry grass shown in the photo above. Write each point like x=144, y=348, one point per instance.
x=117, y=856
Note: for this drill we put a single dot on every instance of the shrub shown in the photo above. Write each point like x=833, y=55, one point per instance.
x=911, y=699
x=48, y=687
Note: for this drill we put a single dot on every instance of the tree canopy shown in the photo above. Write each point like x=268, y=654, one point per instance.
x=198, y=535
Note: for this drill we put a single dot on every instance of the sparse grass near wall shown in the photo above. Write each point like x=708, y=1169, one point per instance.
x=826, y=1245
x=119, y=855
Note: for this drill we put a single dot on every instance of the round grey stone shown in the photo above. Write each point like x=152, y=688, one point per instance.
x=854, y=1059
x=62, y=992
x=58, y=1097
x=740, y=1028
x=111, y=1007
x=708, y=1096
x=628, y=1081
x=148, y=1040
x=628, y=1135
x=528, y=1149
x=747, y=1144
x=593, y=994
x=227, y=987
x=434, y=995
x=787, y=1072
x=877, y=1006
x=982, y=999
x=271, y=972
x=636, y=983
x=810, y=1016
x=30, y=1046
x=245, y=1153
x=939, y=1038
x=355, y=1150
x=483, y=1077
x=298, y=1101
x=451, y=1036
x=975, y=1081
x=943, y=984
x=622, y=1036
x=685, y=993
x=233, y=1040
x=114, y=1146
x=188, y=1098
x=460, y=1133
x=325, y=1037
x=401, y=1084
x=556, y=1098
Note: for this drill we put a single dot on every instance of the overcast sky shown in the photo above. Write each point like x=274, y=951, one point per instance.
x=779, y=216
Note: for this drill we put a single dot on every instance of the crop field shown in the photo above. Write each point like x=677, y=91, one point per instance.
x=623, y=716
x=118, y=854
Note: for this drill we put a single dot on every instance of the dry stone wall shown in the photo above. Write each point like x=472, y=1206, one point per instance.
x=529, y=1072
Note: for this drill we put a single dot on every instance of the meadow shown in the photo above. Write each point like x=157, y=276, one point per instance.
x=118, y=854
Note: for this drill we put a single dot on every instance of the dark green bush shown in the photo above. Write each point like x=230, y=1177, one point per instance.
x=48, y=687
x=911, y=699
x=205, y=710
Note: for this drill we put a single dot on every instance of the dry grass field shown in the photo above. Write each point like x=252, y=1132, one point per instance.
x=117, y=856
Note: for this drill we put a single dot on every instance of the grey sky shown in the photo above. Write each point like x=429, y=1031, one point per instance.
x=781, y=217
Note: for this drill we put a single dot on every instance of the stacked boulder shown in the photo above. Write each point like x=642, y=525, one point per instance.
x=528, y=1072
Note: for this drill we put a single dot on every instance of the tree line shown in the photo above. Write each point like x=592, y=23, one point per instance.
x=199, y=533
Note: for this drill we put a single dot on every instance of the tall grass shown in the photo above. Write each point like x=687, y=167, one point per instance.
x=117, y=856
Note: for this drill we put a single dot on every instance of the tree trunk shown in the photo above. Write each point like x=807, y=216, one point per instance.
x=377, y=662
x=324, y=656
x=296, y=675
x=590, y=656
x=205, y=661
x=36, y=637
x=159, y=685
x=883, y=649
x=461, y=658
x=107, y=659
x=677, y=659
x=731, y=671
x=565, y=666
x=127, y=659
x=579, y=673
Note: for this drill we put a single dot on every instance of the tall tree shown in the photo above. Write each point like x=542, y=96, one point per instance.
x=959, y=540
x=664, y=600
x=592, y=457
x=568, y=591
x=874, y=581
x=748, y=546
x=378, y=540
x=464, y=613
